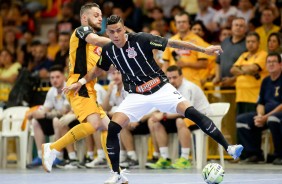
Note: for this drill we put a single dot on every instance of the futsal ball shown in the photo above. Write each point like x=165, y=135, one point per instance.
x=213, y=173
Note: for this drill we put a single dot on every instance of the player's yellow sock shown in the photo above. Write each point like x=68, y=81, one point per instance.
x=78, y=132
x=104, y=135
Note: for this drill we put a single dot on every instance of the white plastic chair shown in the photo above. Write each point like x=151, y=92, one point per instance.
x=219, y=110
x=11, y=127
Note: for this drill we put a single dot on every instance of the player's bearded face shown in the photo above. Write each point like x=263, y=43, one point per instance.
x=96, y=27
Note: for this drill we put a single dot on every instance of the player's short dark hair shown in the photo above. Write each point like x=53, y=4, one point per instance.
x=114, y=19
x=173, y=68
x=55, y=68
x=275, y=54
x=88, y=6
x=254, y=34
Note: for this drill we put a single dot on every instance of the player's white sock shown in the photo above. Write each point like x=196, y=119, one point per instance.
x=122, y=156
x=72, y=155
x=90, y=154
x=101, y=154
x=185, y=153
x=132, y=155
x=39, y=153
x=164, y=152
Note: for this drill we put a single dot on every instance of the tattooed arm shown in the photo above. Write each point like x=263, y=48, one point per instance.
x=213, y=49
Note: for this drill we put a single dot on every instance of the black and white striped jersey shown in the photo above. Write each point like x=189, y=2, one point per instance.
x=135, y=61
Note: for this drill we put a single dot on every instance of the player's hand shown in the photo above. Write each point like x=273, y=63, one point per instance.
x=213, y=50
x=73, y=87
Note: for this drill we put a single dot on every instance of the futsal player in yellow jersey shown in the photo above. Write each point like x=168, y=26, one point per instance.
x=189, y=61
x=84, y=54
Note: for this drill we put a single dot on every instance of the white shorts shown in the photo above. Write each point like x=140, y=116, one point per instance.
x=135, y=106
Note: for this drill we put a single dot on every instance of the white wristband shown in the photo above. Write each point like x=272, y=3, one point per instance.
x=82, y=81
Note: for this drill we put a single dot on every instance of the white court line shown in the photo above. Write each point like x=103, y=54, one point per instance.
x=236, y=181
x=182, y=174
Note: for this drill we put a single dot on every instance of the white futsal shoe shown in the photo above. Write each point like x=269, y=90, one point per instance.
x=235, y=150
x=116, y=178
x=48, y=156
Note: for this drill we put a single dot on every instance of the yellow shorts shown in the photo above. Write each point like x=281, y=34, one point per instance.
x=83, y=107
x=188, y=122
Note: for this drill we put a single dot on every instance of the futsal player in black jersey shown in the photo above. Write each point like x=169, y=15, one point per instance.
x=147, y=85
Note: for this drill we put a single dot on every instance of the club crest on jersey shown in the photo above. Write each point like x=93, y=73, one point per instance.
x=97, y=51
x=131, y=53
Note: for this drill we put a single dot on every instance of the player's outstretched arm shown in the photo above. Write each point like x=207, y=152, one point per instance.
x=211, y=50
x=93, y=73
x=97, y=40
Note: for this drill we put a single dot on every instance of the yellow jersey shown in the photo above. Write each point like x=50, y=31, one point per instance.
x=248, y=86
x=82, y=58
x=190, y=74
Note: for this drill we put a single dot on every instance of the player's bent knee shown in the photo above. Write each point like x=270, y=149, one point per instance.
x=113, y=128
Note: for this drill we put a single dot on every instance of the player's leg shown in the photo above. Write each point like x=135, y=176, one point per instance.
x=184, y=136
x=127, y=141
x=132, y=109
x=168, y=99
x=153, y=137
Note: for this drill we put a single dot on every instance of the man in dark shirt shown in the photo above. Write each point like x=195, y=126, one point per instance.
x=268, y=114
x=63, y=53
x=147, y=85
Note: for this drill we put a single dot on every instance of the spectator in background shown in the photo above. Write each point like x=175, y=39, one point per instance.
x=206, y=74
x=159, y=23
x=174, y=11
x=233, y=46
x=190, y=62
x=39, y=66
x=249, y=71
x=224, y=33
x=258, y=11
x=268, y=113
x=267, y=18
x=53, y=46
x=205, y=14
x=9, y=70
x=24, y=53
x=223, y=17
x=10, y=42
x=245, y=9
x=166, y=6
x=63, y=53
x=190, y=6
x=67, y=23
x=274, y=43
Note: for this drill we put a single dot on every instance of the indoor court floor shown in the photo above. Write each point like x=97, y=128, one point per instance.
x=234, y=173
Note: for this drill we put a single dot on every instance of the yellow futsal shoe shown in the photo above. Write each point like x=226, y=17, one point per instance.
x=181, y=163
x=162, y=163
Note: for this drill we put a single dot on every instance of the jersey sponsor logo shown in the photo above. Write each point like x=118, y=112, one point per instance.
x=85, y=28
x=131, y=53
x=148, y=85
x=156, y=44
x=97, y=51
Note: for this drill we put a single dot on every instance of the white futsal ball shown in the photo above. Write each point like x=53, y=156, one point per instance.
x=213, y=173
